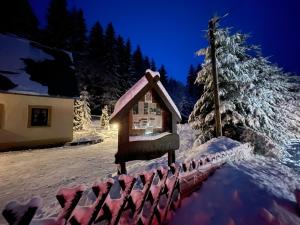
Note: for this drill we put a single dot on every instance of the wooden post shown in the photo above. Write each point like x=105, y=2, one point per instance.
x=122, y=168
x=212, y=29
x=297, y=196
x=171, y=157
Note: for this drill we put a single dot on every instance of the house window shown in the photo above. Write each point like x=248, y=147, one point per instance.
x=39, y=116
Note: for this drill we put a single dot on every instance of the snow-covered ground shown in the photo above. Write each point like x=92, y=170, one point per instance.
x=234, y=195
x=41, y=172
x=24, y=174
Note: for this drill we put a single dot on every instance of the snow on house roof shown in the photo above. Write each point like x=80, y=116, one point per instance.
x=24, y=68
x=129, y=96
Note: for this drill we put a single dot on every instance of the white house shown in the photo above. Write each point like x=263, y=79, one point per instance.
x=37, y=89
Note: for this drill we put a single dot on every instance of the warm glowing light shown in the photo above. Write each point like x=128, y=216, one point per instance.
x=115, y=126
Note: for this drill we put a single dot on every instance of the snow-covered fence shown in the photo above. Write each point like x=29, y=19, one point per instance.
x=142, y=200
x=146, y=199
x=194, y=172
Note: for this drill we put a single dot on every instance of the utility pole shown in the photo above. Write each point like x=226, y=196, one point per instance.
x=212, y=28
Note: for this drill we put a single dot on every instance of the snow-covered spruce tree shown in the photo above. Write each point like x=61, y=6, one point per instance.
x=86, y=111
x=77, y=121
x=259, y=102
x=104, y=119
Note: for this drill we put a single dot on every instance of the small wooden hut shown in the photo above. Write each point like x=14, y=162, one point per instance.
x=147, y=119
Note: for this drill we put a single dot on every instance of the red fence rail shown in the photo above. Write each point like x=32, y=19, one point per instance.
x=149, y=198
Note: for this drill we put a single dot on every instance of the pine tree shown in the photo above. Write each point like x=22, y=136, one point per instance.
x=177, y=91
x=86, y=111
x=16, y=16
x=163, y=75
x=153, y=65
x=90, y=69
x=104, y=119
x=57, y=33
x=194, y=89
x=138, y=64
x=108, y=68
x=96, y=41
x=125, y=66
x=78, y=31
x=146, y=63
x=110, y=40
x=259, y=102
x=112, y=89
x=129, y=63
x=78, y=115
x=191, y=78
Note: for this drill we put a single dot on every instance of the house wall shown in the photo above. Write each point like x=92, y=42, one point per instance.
x=15, y=131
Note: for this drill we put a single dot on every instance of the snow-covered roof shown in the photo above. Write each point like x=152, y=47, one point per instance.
x=149, y=80
x=24, y=68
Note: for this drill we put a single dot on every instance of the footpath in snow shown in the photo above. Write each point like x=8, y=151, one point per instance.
x=41, y=172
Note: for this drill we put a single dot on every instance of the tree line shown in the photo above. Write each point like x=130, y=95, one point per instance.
x=105, y=63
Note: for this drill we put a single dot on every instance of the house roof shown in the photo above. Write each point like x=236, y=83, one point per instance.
x=27, y=67
x=148, y=81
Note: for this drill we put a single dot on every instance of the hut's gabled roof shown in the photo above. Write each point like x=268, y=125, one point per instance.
x=148, y=81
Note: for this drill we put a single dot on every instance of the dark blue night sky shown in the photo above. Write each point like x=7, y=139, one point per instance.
x=171, y=31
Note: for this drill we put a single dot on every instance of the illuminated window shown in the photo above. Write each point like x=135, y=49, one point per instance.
x=146, y=116
x=153, y=108
x=146, y=108
x=39, y=116
x=158, y=111
x=148, y=97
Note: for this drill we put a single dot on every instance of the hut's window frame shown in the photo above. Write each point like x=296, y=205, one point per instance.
x=148, y=97
x=152, y=108
x=158, y=110
x=135, y=109
x=146, y=108
x=147, y=116
x=32, y=109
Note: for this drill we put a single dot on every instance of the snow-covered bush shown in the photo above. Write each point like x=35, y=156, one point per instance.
x=82, y=112
x=87, y=118
x=104, y=119
x=256, y=96
x=77, y=121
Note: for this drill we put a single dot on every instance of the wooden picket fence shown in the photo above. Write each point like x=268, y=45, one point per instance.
x=150, y=198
